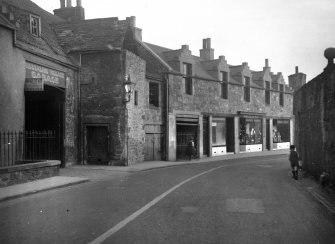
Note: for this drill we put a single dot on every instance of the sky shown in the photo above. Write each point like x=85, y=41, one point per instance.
x=288, y=33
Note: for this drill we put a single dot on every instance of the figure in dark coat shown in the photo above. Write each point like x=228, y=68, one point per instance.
x=294, y=160
x=190, y=150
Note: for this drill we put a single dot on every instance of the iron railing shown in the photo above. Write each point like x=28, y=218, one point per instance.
x=26, y=147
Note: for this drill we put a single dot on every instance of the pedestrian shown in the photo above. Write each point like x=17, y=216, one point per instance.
x=190, y=149
x=294, y=160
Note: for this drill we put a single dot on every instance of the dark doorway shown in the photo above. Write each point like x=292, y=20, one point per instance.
x=230, y=135
x=44, y=112
x=97, y=144
x=205, y=124
x=268, y=134
x=184, y=134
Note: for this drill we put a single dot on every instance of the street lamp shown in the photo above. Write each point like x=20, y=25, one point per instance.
x=128, y=87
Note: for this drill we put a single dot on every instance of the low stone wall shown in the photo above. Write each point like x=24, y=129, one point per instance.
x=22, y=173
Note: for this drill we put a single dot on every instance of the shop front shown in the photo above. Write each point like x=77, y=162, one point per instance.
x=250, y=134
x=222, y=136
x=281, y=134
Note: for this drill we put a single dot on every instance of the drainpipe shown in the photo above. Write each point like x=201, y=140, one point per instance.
x=167, y=117
x=79, y=114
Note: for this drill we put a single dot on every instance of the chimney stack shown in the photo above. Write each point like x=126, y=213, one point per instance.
x=207, y=53
x=297, y=80
x=69, y=13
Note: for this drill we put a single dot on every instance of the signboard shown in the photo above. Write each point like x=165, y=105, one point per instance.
x=49, y=76
x=33, y=84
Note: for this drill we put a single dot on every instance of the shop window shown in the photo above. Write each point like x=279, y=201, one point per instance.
x=187, y=75
x=267, y=92
x=154, y=94
x=136, y=98
x=246, y=89
x=35, y=25
x=281, y=95
x=281, y=130
x=224, y=84
x=250, y=131
x=219, y=133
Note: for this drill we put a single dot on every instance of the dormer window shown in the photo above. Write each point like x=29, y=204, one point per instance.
x=35, y=25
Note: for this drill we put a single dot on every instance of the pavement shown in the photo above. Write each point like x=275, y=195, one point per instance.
x=77, y=174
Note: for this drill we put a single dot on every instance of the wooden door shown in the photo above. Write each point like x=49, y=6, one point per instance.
x=97, y=144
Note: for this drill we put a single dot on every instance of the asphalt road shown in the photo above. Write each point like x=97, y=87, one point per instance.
x=234, y=201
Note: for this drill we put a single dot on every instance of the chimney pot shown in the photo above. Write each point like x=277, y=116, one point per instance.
x=204, y=43
x=68, y=3
x=78, y=3
x=296, y=69
x=266, y=62
x=221, y=57
x=62, y=3
x=208, y=43
x=132, y=21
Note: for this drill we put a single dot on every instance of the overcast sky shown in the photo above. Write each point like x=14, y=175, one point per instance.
x=287, y=32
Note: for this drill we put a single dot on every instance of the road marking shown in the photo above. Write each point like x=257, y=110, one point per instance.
x=127, y=220
x=130, y=218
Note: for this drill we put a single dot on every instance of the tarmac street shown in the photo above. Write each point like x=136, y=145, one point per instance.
x=242, y=200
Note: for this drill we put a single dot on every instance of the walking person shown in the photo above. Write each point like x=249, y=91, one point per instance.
x=294, y=160
x=190, y=149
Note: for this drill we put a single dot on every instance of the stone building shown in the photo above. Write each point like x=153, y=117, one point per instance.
x=225, y=108
x=314, y=111
x=138, y=101
x=38, y=84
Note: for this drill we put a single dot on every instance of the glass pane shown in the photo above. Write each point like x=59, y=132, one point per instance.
x=281, y=131
x=219, y=133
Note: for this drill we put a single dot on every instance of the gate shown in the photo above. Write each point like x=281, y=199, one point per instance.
x=153, y=147
x=184, y=134
x=97, y=144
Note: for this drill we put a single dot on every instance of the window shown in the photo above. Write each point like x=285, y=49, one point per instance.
x=219, y=132
x=187, y=74
x=35, y=25
x=224, y=84
x=246, y=89
x=154, y=94
x=281, y=95
x=136, y=98
x=250, y=131
x=281, y=130
x=267, y=92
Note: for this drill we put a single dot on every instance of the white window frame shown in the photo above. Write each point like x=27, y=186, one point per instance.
x=35, y=28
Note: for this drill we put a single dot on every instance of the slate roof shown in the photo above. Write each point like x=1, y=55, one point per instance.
x=45, y=45
x=4, y=22
x=198, y=69
x=92, y=34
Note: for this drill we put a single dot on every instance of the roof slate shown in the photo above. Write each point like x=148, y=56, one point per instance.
x=46, y=44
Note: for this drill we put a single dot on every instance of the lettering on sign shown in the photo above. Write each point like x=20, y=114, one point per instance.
x=48, y=76
x=33, y=84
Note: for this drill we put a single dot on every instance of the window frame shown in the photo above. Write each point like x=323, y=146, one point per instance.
x=224, y=84
x=281, y=95
x=247, y=88
x=187, y=76
x=35, y=27
x=267, y=93
x=154, y=94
